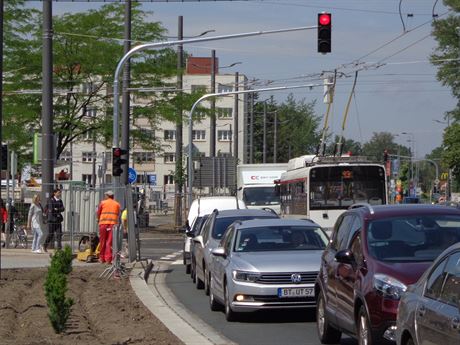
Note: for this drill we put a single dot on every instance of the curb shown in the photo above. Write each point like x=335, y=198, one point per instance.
x=162, y=303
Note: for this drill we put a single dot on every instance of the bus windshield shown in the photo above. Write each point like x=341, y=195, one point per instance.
x=261, y=196
x=338, y=187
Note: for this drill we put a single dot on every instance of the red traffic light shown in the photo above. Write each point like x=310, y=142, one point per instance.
x=117, y=152
x=324, y=19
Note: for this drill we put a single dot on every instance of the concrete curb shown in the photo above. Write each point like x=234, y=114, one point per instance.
x=157, y=297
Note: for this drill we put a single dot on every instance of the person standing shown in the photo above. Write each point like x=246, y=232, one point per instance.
x=35, y=222
x=3, y=220
x=108, y=213
x=54, y=208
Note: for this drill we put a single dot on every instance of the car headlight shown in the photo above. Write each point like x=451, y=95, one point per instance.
x=388, y=286
x=245, y=276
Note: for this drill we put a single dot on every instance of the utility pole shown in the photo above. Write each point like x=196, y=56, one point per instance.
x=264, y=149
x=275, y=136
x=212, y=127
x=236, y=119
x=179, y=134
x=48, y=148
x=125, y=103
x=251, y=132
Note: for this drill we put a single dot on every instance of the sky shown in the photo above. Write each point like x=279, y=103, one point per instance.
x=396, y=91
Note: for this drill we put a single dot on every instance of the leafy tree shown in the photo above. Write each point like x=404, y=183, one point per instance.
x=446, y=56
x=85, y=58
x=380, y=142
x=348, y=145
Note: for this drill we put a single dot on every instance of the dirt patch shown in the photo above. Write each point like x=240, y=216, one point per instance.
x=106, y=311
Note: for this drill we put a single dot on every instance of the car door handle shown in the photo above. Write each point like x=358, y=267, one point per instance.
x=455, y=323
x=421, y=311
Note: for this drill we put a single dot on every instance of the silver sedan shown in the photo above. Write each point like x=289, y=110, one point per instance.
x=429, y=311
x=266, y=264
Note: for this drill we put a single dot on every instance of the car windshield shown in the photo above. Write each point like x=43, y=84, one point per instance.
x=280, y=238
x=415, y=238
x=221, y=224
x=261, y=196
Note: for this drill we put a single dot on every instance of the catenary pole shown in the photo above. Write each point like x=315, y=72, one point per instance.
x=212, y=127
x=179, y=127
x=236, y=120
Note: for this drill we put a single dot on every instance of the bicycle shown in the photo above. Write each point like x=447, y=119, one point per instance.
x=18, y=236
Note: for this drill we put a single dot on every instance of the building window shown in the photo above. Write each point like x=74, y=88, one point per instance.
x=168, y=179
x=198, y=88
x=224, y=112
x=200, y=114
x=88, y=135
x=91, y=112
x=224, y=135
x=144, y=157
x=86, y=178
x=65, y=156
x=199, y=135
x=88, y=156
x=170, y=134
x=224, y=88
x=169, y=158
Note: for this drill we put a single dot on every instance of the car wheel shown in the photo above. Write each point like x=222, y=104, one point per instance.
x=326, y=333
x=187, y=269
x=364, y=331
x=198, y=282
x=207, y=278
x=213, y=304
x=230, y=315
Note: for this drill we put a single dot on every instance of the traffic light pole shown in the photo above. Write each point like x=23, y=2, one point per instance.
x=139, y=48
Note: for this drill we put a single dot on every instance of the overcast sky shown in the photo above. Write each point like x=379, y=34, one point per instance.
x=402, y=95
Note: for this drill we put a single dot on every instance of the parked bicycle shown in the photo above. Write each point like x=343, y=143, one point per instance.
x=18, y=235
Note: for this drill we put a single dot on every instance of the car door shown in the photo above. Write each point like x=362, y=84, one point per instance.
x=330, y=265
x=345, y=275
x=437, y=318
x=220, y=263
x=200, y=247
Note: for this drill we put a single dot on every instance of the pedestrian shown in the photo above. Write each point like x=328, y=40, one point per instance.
x=108, y=213
x=3, y=220
x=35, y=222
x=53, y=210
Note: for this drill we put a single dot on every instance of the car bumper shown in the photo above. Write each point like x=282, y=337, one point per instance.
x=253, y=297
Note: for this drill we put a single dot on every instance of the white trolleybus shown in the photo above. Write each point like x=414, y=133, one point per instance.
x=321, y=188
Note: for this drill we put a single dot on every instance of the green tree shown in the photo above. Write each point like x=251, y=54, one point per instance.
x=380, y=142
x=446, y=56
x=85, y=56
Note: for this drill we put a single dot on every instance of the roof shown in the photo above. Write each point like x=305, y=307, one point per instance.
x=256, y=223
x=245, y=213
x=382, y=211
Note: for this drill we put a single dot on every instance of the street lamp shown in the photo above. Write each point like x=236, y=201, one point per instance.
x=412, y=161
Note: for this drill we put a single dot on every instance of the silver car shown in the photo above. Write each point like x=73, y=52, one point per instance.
x=429, y=311
x=266, y=264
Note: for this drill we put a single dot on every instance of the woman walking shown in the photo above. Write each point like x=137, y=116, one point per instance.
x=35, y=222
x=3, y=220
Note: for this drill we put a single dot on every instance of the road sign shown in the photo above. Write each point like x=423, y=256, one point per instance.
x=436, y=182
x=153, y=180
x=132, y=175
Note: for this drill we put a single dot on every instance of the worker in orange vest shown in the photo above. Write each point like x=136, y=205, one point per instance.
x=108, y=213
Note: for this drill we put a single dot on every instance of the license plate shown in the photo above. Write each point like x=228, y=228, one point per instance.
x=296, y=292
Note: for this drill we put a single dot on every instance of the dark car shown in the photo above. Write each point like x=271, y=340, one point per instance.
x=374, y=253
x=429, y=311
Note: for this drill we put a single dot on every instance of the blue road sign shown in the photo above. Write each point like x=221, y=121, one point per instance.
x=132, y=175
x=153, y=180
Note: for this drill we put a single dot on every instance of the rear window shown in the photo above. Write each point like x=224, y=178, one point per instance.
x=418, y=238
x=221, y=224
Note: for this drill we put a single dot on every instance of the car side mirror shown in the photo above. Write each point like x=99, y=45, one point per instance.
x=219, y=251
x=190, y=234
x=345, y=257
x=199, y=240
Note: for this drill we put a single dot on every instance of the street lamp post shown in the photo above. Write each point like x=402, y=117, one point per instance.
x=412, y=161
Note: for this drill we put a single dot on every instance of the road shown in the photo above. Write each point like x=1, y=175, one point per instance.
x=288, y=327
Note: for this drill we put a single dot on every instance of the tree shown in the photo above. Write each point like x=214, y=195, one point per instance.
x=447, y=34
x=379, y=142
x=86, y=52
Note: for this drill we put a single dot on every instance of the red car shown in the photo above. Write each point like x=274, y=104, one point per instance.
x=374, y=253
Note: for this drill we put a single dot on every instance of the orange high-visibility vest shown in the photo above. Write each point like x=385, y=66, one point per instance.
x=110, y=209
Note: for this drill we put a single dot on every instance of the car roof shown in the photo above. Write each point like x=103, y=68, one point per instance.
x=257, y=223
x=383, y=211
x=245, y=212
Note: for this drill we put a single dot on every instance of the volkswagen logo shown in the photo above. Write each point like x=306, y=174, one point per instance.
x=296, y=278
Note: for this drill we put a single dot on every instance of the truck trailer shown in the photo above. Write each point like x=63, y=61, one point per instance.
x=256, y=184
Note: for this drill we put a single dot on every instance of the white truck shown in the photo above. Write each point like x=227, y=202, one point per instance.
x=256, y=186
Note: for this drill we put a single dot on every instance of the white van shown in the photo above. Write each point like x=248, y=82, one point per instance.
x=201, y=207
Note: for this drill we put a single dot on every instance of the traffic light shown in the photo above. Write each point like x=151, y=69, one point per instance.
x=118, y=161
x=385, y=156
x=4, y=157
x=324, y=32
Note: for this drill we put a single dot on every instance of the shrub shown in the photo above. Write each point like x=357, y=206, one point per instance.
x=56, y=288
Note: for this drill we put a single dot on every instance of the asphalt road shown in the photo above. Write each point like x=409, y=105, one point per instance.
x=269, y=327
